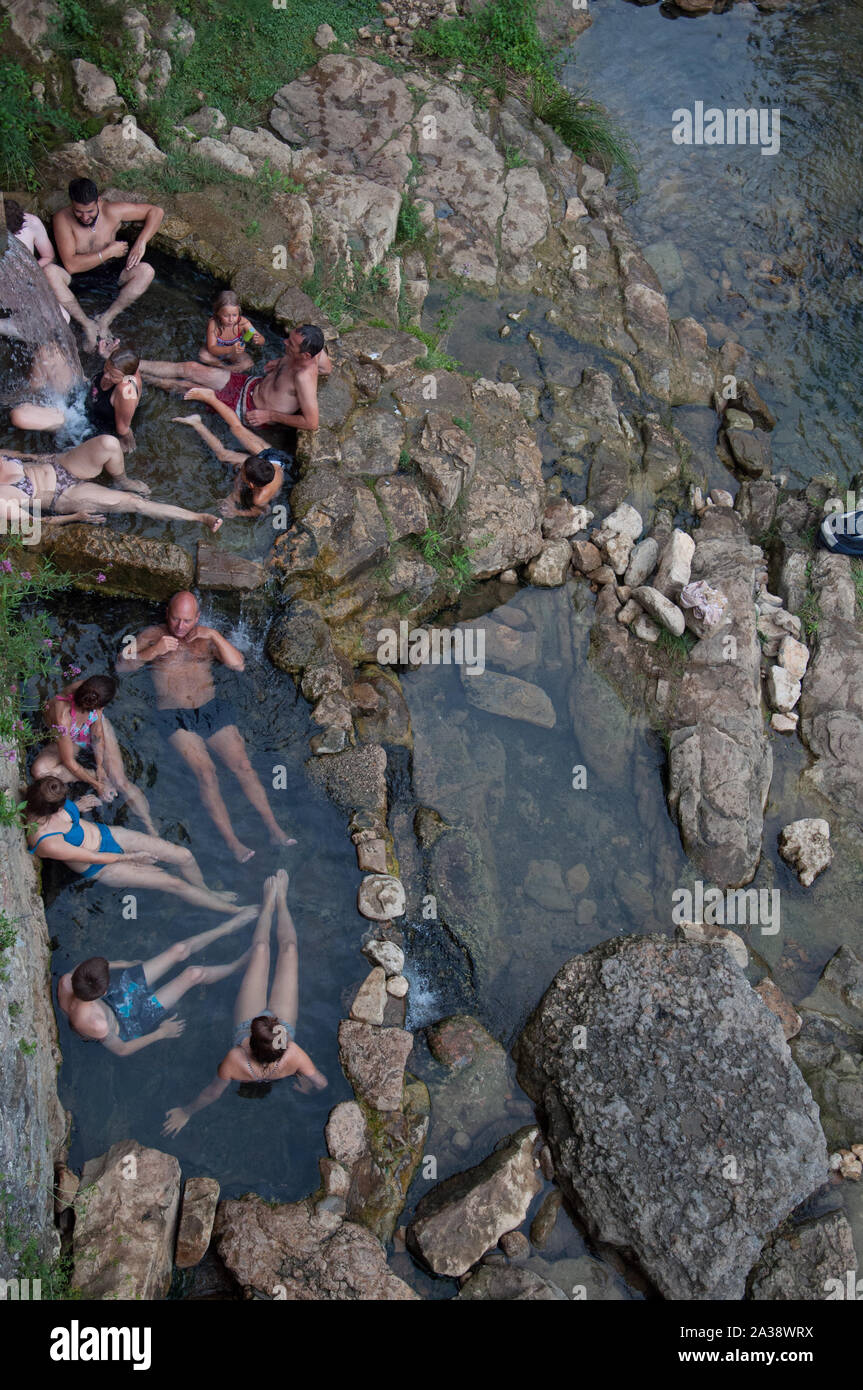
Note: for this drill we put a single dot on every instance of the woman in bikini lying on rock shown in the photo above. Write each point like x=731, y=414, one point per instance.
x=60, y=483
x=264, y=1027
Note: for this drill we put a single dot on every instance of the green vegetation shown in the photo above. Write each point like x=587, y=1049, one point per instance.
x=28, y=1048
x=857, y=576
x=513, y=158
x=55, y=1278
x=26, y=645
x=500, y=48
x=436, y=358
x=453, y=566
x=810, y=613
x=340, y=290
x=244, y=51
x=8, y=937
x=463, y=424
x=409, y=228
x=27, y=127
x=677, y=649
x=271, y=181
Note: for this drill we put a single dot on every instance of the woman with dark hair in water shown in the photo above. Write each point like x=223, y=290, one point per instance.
x=77, y=719
x=264, y=1026
x=121, y=858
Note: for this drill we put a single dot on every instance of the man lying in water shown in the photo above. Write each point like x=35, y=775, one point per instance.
x=286, y=393
x=112, y=1002
x=193, y=719
x=261, y=469
x=264, y=1028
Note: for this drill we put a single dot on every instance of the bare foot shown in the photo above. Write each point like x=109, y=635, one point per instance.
x=186, y=420
x=135, y=485
x=214, y=522
x=240, y=919
x=226, y=897
x=243, y=854
x=282, y=878
x=280, y=837
x=271, y=885
x=91, y=335
x=106, y=343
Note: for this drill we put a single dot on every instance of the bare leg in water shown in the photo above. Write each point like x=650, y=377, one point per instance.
x=190, y=887
x=94, y=497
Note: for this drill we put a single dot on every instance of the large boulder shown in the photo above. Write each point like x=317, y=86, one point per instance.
x=295, y=1253
x=829, y=1047
x=680, y=1128
x=125, y=1223
x=129, y=565
x=460, y=1219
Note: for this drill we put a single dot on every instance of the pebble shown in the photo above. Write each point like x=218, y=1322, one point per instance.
x=397, y=986
x=515, y=1245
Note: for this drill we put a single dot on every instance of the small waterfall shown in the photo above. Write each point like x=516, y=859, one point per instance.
x=39, y=359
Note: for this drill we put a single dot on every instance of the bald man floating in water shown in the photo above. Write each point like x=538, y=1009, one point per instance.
x=192, y=717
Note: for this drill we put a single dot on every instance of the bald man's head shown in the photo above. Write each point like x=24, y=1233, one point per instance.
x=182, y=614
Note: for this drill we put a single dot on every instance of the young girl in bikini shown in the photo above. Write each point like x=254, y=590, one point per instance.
x=228, y=334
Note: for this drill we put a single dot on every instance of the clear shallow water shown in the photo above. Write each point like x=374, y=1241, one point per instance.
x=271, y=1144
x=736, y=217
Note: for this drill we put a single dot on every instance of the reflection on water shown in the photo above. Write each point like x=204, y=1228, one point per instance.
x=270, y=1144
x=764, y=249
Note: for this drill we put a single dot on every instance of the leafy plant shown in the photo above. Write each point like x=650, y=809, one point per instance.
x=26, y=647
x=453, y=566
x=513, y=158
x=409, y=227
x=28, y=1048
x=271, y=180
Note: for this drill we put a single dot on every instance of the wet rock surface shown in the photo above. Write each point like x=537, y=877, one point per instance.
x=634, y=1043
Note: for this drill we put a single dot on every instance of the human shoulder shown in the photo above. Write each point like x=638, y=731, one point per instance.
x=231, y=1065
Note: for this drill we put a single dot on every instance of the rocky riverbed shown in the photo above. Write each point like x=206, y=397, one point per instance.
x=578, y=478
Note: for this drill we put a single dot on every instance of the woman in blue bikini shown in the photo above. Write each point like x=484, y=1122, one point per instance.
x=121, y=858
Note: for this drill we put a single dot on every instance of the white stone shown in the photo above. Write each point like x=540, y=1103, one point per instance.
x=675, y=564
x=783, y=691
x=805, y=846
x=642, y=562
x=325, y=35
x=226, y=156
x=617, y=549
x=629, y=612
x=386, y=954
x=794, y=657
x=646, y=629
x=660, y=608
x=575, y=209
x=720, y=497
x=551, y=565
x=381, y=896
x=98, y=91
x=371, y=998
x=345, y=1133
x=623, y=521
x=397, y=986
x=784, y=723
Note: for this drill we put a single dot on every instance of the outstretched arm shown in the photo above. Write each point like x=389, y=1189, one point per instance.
x=179, y=1115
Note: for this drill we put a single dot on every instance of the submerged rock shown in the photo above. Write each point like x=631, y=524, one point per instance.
x=474, y=1093
x=656, y=1065
x=510, y=697
x=462, y=1218
x=508, y=1283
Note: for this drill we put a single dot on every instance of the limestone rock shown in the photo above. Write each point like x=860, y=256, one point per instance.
x=386, y=954
x=206, y=121
x=661, y=609
x=325, y=36
x=585, y=556
x=132, y=565
x=197, y=1214
x=783, y=691
x=799, y=1262
x=381, y=897
x=225, y=156
x=98, y=91
x=460, y=1219
x=805, y=845
x=397, y=986
x=374, y=1062
x=551, y=566
x=370, y=999
x=346, y=1134
x=642, y=562
x=292, y=1252
x=125, y=1225
x=561, y=519
x=793, y=657
x=354, y=779
x=645, y=628
x=625, y=1153
x=675, y=564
